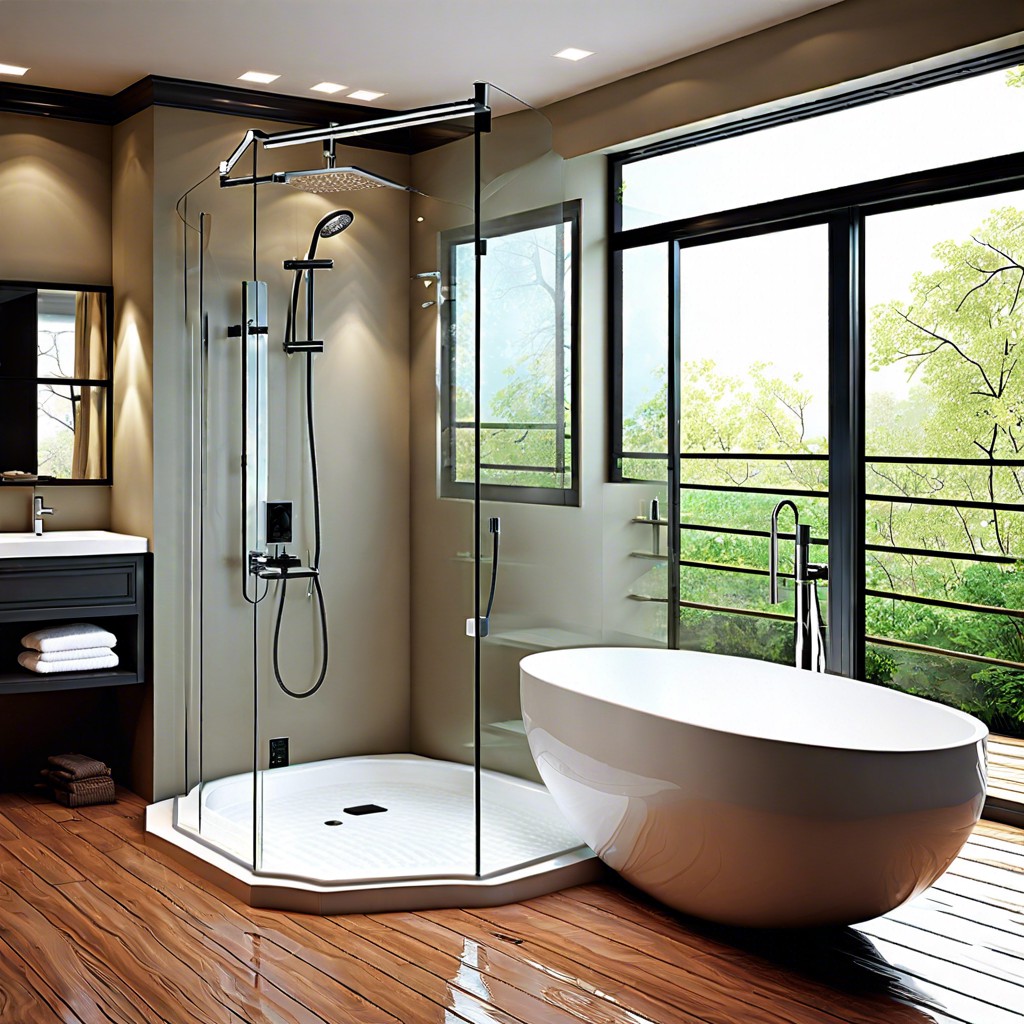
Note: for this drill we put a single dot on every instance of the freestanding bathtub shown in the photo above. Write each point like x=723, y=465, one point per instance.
x=751, y=793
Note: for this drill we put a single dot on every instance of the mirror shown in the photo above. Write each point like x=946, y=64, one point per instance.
x=55, y=370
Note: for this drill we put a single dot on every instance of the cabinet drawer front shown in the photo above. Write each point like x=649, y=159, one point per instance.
x=61, y=586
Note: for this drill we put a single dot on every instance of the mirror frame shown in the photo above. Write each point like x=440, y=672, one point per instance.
x=108, y=385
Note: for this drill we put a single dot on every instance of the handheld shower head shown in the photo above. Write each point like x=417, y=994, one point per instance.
x=332, y=224
x=336, y=223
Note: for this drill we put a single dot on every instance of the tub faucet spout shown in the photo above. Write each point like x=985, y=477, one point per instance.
x=809, y=625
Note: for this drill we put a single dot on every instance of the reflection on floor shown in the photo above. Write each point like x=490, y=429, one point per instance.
x=93, y=927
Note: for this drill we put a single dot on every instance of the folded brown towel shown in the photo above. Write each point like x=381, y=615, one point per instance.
x=78, y=766
x=64, y=777
x=85, y=792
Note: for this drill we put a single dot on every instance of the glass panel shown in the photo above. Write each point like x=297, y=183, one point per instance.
x=644, y=359
x=72, y=431
x=754, y=381
x=549, y=590
x=943, y=291
x=893, y=136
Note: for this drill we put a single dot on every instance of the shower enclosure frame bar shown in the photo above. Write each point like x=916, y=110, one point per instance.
x=478, y=107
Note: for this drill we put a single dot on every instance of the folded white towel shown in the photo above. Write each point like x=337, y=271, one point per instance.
x=85, y=652
x=32, y=661
x=75, y=636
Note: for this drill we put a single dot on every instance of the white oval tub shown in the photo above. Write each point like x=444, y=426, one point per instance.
x=751, y=793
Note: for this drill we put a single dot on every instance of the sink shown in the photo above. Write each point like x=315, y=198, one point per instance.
x=62, y=543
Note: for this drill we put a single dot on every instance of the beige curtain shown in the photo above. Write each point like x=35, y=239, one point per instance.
x=89, y=456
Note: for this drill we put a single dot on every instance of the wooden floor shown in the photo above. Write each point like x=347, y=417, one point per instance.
x=96, y=928
x=1006, y=768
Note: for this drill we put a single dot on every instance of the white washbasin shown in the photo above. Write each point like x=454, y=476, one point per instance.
x=62, y=543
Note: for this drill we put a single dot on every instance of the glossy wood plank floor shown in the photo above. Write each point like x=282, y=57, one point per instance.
x=95, y=928
x=1006, y=768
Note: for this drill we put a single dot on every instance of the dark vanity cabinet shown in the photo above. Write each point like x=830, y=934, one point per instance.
x=95, y=713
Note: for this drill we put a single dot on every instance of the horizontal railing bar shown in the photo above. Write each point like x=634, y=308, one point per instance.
x=907, y=646
x=755, y=456
x=740, y=532
x=747, y=569
x=470, y=424
x=908, y=460
x=642, y=455
x=736, y=611
x=733, y=489
x=996, y=506
x=929, y=553
x=521, y=469
x=714, y=608
x=938, y=602
x=905, y=460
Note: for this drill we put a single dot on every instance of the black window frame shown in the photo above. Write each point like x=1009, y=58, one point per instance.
x=107, y=384
x=570, y=213
x=843, y=210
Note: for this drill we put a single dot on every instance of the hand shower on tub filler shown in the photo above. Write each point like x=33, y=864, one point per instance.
x=809, y=627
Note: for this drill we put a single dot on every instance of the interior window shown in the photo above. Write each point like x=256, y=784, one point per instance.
x=529, y=355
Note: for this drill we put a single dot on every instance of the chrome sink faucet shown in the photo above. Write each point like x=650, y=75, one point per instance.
x=38, y=511
x=810, y=629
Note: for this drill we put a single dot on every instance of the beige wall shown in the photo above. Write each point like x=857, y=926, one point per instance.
x=837, y=44
x=55, y=212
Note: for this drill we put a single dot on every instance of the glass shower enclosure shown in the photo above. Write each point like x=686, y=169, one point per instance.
x=322, y=280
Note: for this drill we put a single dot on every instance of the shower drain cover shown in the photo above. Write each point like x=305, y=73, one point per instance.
x=334, y=821
x=365, y=809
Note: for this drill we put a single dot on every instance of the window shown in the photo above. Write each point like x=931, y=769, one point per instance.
x=853, y=349
x=529, y=342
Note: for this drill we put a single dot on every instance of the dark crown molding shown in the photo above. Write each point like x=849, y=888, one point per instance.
x=156, y=91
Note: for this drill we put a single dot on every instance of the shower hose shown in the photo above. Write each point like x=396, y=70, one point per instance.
x=316, y=557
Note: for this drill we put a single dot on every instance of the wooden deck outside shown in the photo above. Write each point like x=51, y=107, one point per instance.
x=95, y=928
x=1006, y=768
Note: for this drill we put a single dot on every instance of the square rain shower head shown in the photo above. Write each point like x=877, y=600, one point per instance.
x=337, y=179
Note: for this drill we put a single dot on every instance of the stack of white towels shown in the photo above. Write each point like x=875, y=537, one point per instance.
x=76, y=647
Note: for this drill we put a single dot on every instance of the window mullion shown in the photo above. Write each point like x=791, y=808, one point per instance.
x=846, y=444
x=673, y=442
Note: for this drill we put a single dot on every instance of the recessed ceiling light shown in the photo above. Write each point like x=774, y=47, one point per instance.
x=571, y=53
x=258, y=76
x=365, y=94
x=12, y=69
x=327, y=87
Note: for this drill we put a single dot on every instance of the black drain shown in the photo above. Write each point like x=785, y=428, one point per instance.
x=334, y=821
x=365, y=809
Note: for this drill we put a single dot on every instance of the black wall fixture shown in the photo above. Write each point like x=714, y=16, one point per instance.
x=156, y=91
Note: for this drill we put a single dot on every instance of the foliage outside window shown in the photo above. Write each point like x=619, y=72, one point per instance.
x=941, y=419
x=529, y=359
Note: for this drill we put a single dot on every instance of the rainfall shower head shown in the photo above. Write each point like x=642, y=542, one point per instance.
x=337, y=179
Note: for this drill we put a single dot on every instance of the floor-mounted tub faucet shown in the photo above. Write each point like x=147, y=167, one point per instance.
x=39, y=510
x=810, y=629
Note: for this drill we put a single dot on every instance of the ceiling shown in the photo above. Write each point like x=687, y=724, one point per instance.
x=418, y=52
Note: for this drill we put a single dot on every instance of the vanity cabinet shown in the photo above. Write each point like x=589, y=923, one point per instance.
x=108, y=590
x=103, y=714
